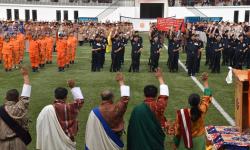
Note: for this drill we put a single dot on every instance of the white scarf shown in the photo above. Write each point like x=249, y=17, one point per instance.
x=98, y=135
x=50, y=135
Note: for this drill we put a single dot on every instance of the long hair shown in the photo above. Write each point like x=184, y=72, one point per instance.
x=194, y=102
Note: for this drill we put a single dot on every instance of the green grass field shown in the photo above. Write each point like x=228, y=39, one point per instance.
x=44, y=83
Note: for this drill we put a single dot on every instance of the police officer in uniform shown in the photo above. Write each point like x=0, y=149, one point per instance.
x=135, y=54
x=104, y=43
x=218, y=47
x=173, y=51
x=96, y=54
x=155, y=50
x=233, y=45
x=115, y=54
x=225, y=52
x=240, y=53
x=124, y=42
x=192, y=50
x=200, y=45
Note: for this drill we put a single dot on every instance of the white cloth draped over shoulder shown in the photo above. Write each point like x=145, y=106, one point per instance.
x=50, y=135
x=99, y=136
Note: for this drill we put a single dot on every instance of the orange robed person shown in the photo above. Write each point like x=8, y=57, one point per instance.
x=16, y=50
x=34, y=53
x=42, y=51
x=68, y=51
x=1, y=48
x=49, y=48
x=21, y=39
x=7, y=53
x=61, y=46
x=73, y=42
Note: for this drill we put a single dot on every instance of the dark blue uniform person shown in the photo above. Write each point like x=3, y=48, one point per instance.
x=115, y=54
x=192, y=50
x=135, y=54
x=96, y=54
x=155, y=50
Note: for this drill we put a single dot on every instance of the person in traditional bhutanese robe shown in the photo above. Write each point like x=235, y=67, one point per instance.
x=147, y=124
x=190, y=134
x=105, y=124
x=17, y=108
x=57, y=124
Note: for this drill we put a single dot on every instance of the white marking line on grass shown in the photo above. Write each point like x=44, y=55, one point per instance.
x=214, y=101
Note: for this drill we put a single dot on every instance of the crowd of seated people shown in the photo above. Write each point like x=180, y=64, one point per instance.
x=208, y=2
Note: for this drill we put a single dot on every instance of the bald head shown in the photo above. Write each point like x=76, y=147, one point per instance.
x=107, y=95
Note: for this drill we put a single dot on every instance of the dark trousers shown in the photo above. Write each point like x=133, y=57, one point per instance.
x=191, y=64
x=154, y=62
x=102, y=58
x=225, y=56
x=208, y=56
x=216, y=62
x=135, y=66
x=238, y=60
x=231, y=54
x=96, y=65
x=173, y=62
x=198, y=63
x=116, y=63
x=248, y=59
x=122, y=55
x=81, y=43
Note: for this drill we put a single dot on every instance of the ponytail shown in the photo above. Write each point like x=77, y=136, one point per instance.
x=194, y=102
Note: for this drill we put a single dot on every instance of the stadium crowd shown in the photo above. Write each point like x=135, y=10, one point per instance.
x=57, y=125
x=207, y=2
x=229, y=41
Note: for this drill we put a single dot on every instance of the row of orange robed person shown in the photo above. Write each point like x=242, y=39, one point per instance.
x=40, y=50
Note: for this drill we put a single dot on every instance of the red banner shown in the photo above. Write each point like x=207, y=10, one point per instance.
x=165, y=24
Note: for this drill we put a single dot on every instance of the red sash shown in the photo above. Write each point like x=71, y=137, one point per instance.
x=185, y=126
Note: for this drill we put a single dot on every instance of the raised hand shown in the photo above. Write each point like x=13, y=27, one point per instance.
x=119, y=78
x=204, y=78
x=71, y=83
x=159, y=75
x=24, y=71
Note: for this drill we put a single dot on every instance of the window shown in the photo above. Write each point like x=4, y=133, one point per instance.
x=236, y=16
x=65, y=15
x=27, y=15
x=16, y=14
x=54, y=0
x=34, y=15
x=9, y=15
x=75, y=15
x=247, y=15
x=58, y=15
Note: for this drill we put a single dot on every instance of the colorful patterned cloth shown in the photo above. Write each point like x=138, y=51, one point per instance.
x=227, y=137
